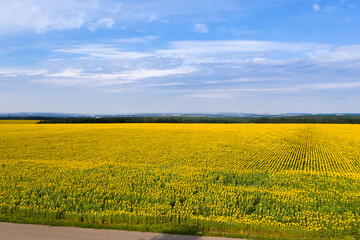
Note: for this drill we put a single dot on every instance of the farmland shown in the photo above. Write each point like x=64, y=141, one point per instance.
x=2, y=121
x=280, y=180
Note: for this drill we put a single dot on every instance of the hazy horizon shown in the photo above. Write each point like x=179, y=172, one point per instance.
x=121, y=57
x=175, y=113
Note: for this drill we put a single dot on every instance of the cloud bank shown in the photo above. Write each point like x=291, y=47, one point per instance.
x=196, y=69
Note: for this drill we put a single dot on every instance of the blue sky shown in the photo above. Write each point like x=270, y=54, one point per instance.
x=107, y=56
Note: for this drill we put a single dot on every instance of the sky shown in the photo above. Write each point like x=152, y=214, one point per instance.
x=180, y=56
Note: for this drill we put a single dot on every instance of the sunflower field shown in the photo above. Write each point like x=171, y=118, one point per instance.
x=278, y=180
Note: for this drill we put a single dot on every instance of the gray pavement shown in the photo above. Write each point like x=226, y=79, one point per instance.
x=15, y=231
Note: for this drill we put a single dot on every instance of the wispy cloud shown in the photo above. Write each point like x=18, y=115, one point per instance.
x=102, y=51
x=179, y=52
x=42, y=15
x=238, y=46
x=145, y=39
x=199, y=52
x=80, y=77
x=229, y=92
x=316, y=7
x=208, y=95
x=102, y=23
x=332, y=85
x=148, y=73
x=153, y=18
x=20, y=72
x=201, y=28
x=340, y=54
x=201, y=69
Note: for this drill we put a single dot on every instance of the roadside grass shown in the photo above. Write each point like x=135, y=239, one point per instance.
x=159, y=228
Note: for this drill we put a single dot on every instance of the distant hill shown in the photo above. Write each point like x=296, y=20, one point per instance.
x=78, y=115
x=187, y=118
x=42, y=114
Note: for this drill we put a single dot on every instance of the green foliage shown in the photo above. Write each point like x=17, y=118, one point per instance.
x=347, y=119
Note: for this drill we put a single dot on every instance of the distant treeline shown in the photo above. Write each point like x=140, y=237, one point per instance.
x=346, y=119
x=26, y=118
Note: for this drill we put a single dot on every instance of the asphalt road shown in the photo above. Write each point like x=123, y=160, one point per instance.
x=15, y=231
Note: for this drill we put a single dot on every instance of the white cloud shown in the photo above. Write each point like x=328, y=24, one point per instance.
x=201, y=28
x=75, y=77
x=102, y=51
x=246, y=80
x=43, y=15
x=263, y=90
x=208, y=95
x=69, y=72
x=86, y=77
x=102, y=23
x=166, y=84
x=91, y=81
x=147, y=73
x=316, y=7
x=340, y=54
x=237, y=46
x=153, y=18
x=144, y=39
x=208, y=65
x=228, y=92
x=332, y=85
x=20, y=72
x=256, y=68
